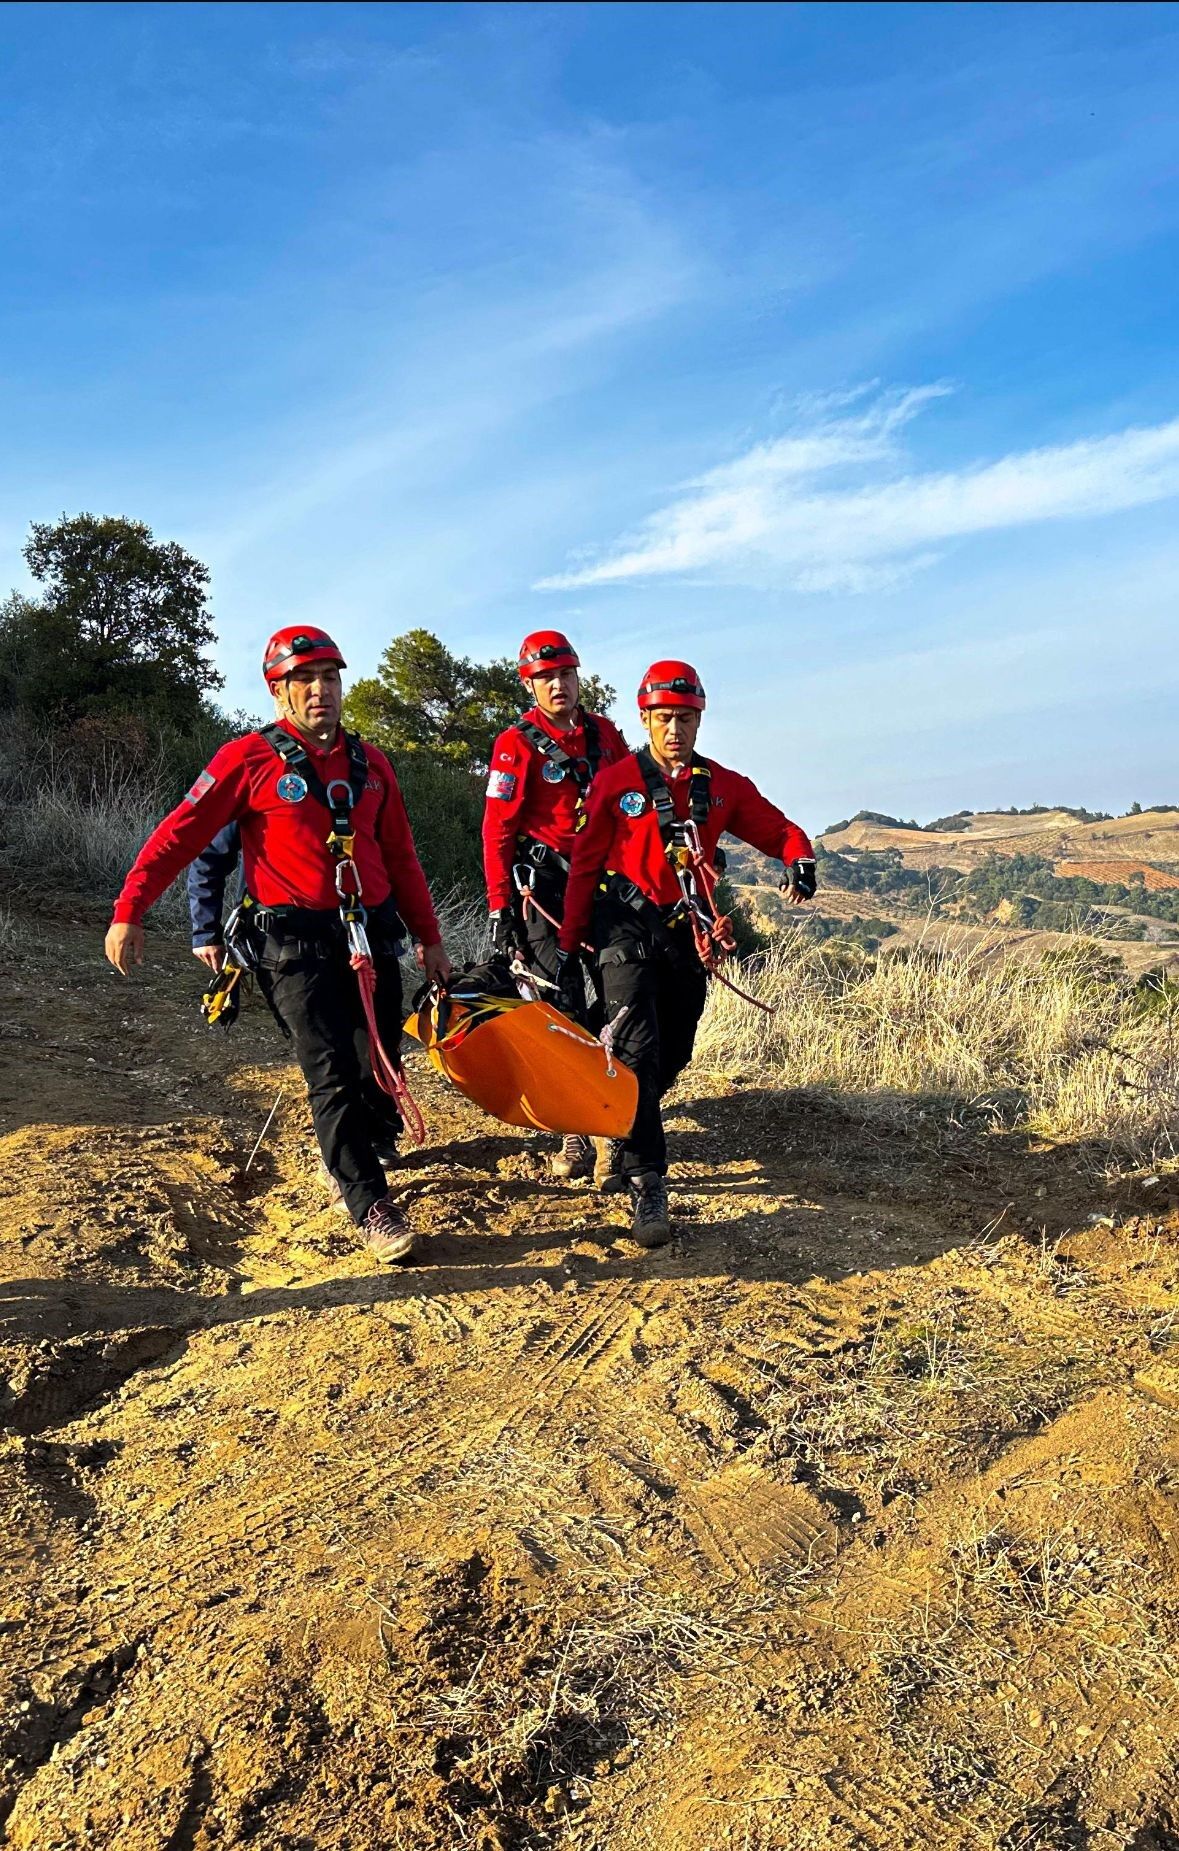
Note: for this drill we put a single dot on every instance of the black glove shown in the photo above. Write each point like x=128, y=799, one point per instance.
x=570, y=991
x=799, y=879
x=505, y=935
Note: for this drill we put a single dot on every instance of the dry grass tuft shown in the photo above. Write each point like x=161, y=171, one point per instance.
x=1043, y=1043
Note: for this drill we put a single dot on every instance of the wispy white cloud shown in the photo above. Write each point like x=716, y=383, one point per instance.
x=763, y=519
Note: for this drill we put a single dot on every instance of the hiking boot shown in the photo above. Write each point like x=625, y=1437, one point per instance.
x=385, y=1233
x=651, y=1226
x=574, y=1158
x=336, y=1200
x=608, y=1177
x=386, y=1151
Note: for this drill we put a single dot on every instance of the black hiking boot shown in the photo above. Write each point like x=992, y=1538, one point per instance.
x=608, y=1177
x=386, y=1151
x=651, y=1226
x=385, y=1233
x=575, y=1158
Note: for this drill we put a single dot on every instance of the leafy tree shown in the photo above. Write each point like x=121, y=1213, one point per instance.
x=423, y=697
x=121, y=625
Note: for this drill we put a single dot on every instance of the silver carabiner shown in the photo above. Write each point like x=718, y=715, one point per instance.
x=342, y=865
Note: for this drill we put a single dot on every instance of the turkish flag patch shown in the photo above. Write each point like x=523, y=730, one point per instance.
x=502, y=784
x=201, y=788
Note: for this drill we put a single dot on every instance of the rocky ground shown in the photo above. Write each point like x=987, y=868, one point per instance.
x=850, y=1520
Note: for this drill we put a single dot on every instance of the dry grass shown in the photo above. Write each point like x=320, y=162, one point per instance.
x=521, y=1724
x=84, y=839
x=1043, y=1043
x=942, y=1388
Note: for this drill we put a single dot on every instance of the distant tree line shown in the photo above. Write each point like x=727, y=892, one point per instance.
x=107, y=664
x=869, y=934
x=107, y=685
x=882, y=871
x=1028, y=881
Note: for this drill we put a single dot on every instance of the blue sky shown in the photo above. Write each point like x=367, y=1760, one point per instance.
x=830, y=347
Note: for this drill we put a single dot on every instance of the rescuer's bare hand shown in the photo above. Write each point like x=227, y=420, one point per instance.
x=212, y=955
x=124, y=947
x=434, y=962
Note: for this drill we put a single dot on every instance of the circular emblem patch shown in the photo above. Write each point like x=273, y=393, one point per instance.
x=632, y=803
x=552, y=774
x=291, y=787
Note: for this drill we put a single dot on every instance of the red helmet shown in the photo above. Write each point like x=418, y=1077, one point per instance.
x=294, y=648
x=671, y=684
x=544, y=651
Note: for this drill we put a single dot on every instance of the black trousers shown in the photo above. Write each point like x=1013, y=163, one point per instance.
x=540, y=945
x=661, y=984
x=304, y=974
x=540, y=938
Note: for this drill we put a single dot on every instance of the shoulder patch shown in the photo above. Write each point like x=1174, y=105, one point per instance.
x=201, y=788
x=632, y=803
x=502, y=784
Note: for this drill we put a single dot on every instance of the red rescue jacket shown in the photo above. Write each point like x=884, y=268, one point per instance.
x=522, y=801
x=283, y=843
x=621, y=836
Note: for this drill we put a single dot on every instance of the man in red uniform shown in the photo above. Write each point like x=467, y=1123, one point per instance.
x=291, y=786
x=542, y=768
x=646, y=814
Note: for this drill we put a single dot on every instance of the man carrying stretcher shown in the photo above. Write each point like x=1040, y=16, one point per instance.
x=542, y=768
x=640, y=889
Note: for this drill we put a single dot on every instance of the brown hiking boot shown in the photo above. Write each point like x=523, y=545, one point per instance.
x=651, y=1226
x=385, y=1233
x=574, y=1158
x=608, y=1177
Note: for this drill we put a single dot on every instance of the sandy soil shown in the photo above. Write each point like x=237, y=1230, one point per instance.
x=851, y=1520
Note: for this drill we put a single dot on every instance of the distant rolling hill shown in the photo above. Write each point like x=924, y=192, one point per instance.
x=1115, y=850
x=1148, y=840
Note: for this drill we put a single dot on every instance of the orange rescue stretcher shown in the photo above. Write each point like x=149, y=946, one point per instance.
x=525, y=1062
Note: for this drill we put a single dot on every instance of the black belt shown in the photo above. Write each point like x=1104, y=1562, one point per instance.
x=660, y=921
x=317, y=921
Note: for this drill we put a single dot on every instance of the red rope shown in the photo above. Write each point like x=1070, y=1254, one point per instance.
x=530, y=900
x=388, y=1074
x=708, y=944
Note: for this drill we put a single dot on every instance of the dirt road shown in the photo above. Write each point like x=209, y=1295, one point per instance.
x=849, y=1521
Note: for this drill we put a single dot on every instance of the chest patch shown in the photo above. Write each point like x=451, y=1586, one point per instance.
x=552, y=774
x=502, y=784
x=632, y=803
x=291, y=787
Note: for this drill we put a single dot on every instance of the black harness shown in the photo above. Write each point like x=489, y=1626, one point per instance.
x=672, y=830
x=676, y=844
x=534, y=855
x=340, y=797
x=582, y=771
